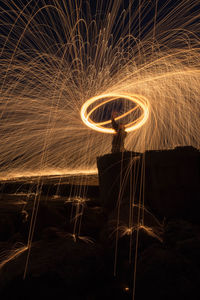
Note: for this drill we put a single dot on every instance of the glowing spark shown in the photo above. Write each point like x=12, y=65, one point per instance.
x=136, y=99
x=77, y=200
x=12, y=255
x=124, y=230
x=128, y=231
x=151, y=232
x=54, y=57
x=55, y=60
x=76, y=238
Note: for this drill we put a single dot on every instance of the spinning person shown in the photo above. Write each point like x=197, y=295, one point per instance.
x=119, y=136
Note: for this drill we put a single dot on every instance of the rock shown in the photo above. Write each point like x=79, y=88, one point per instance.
x=168, y=179
x=165, y=274
x=115, y=180
x=61, y=262
x=93, y=219
x=178, y=230
x=47, y=216
x=7, y=226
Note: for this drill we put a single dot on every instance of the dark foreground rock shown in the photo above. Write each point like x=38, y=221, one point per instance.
x=134, y=242
x=168, y=180
x=56, y=264
x=160, y=260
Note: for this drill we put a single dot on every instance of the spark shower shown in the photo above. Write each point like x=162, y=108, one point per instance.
x=56, y=55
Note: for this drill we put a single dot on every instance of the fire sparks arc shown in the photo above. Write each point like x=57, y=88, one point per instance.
x=138, y=100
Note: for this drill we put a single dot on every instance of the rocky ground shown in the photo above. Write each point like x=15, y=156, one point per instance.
x=74, y=258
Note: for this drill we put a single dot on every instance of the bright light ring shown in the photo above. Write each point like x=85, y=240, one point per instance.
x=141, y=102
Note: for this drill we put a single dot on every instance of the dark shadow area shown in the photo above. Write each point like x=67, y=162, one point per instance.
x=74, y=243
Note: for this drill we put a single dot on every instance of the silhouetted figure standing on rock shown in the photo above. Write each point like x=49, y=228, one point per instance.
x=119, y=136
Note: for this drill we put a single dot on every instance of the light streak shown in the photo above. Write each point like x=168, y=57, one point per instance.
x=54, y=59
x=128, y=231
x=12, y=175
x=11, y=255
x=77, y=201
x=141, y=101
x=77, y=238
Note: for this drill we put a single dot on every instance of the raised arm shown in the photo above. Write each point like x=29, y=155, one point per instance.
x=115, y=126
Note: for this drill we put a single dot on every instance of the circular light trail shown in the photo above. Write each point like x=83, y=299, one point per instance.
x=141, y=102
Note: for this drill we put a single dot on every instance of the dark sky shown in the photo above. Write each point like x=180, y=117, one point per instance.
x=98, y=9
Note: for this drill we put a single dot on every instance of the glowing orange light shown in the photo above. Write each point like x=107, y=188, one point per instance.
x=141, y=102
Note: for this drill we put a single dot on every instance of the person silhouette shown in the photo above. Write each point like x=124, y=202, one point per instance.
x=119, y=135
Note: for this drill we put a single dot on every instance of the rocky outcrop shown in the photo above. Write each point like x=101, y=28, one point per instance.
x=78, y=243
x=168, y=182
